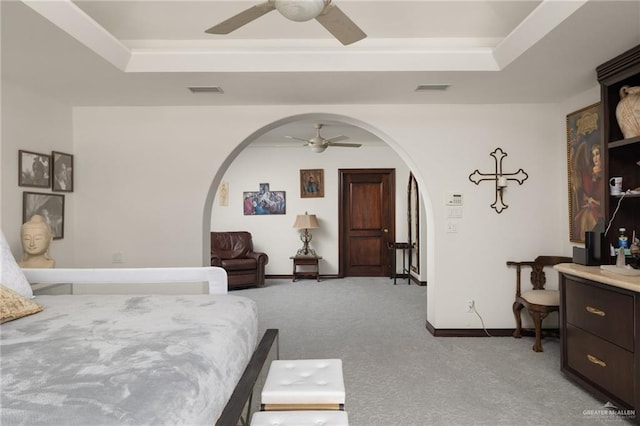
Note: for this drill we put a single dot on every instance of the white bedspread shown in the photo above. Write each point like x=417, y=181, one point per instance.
x=125, y=360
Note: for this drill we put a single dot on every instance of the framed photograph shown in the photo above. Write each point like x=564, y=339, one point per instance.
x=586, y=171
x=62, y=172
x=264, y=202
x=49, y=206
x=34, y=169
x=312, y=183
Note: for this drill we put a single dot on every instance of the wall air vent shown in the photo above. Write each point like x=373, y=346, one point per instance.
x=431, y=87
x=206, y=89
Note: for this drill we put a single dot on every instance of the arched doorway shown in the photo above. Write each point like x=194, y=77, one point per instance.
x=387, y=141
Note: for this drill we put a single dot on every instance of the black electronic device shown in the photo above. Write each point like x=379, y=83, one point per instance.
x=593, y=252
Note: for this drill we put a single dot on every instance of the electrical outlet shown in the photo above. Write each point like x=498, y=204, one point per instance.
x=470, y=305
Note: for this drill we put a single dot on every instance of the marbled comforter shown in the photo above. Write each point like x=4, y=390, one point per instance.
x=125, y=360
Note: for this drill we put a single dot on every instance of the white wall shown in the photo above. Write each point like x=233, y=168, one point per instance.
x=280, y=167
x=146, y=179
x=149, y=176
x=32, y=123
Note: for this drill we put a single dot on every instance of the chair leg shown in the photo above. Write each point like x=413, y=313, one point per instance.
x=537, y=321
x=517, y=307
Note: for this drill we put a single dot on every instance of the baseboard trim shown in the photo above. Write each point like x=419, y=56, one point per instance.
x=279, y=277
x=337, y=276
x=290, y=277
x=418, y=282
x=468, y=332
x=480, y=332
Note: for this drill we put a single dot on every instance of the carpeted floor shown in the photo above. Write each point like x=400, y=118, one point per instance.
x=397, y=373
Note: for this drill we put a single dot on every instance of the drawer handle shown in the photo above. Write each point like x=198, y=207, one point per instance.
x=597, y=361
x=595, y=311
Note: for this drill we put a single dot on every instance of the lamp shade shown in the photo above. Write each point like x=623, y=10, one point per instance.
x=306, y=221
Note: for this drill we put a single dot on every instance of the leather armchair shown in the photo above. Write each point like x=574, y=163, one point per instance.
x=233, y=251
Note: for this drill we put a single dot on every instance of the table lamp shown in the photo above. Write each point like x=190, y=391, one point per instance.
x=306, y=221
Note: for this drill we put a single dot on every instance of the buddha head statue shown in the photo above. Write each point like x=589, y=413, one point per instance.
x=36, y=237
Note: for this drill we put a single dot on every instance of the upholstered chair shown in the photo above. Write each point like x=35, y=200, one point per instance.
x=233, y=251
x=538, y=301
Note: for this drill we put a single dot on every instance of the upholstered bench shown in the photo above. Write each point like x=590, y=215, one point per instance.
x=311, y=384
x=300, y=418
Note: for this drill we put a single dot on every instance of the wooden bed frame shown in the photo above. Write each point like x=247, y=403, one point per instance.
x=241, y=401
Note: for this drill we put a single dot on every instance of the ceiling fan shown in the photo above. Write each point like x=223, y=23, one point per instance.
x=328, y=14
x=319, y=144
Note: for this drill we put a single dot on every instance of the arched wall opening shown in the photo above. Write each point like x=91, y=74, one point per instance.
x=426, y=225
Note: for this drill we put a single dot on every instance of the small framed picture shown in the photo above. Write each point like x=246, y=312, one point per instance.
x=264, y=202
x=312, y=183
x=34, y=169
x=49, y=206
x=62, y=172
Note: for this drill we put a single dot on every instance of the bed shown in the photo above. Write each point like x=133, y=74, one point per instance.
x=132, y=359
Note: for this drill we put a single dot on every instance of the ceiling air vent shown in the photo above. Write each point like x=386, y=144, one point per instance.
x=427, y=87
x=206, y=89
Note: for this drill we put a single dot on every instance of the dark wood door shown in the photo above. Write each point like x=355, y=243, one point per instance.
x=367, y=221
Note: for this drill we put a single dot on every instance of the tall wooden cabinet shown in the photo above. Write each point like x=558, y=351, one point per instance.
x=622, y=155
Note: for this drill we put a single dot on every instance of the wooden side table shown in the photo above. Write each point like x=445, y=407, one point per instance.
x=310, y=262
x=405, y=247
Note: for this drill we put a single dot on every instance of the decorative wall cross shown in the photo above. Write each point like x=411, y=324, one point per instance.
x=500, y=179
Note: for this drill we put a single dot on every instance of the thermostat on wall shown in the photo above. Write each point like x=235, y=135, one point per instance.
x=454, y=199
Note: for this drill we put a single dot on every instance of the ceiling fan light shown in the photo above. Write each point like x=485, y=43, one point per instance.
x=300, y=10
x=318, y=148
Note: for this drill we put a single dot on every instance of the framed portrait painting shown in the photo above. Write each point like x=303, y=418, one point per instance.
x=34, y=169
x=62, y=172
x=312, y=183
x=586, y=171
x=49, y=206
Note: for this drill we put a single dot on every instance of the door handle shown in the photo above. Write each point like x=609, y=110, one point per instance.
x=385, y=230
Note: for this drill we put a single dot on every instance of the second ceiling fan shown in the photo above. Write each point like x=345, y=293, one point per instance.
x=319, y=144
x=324, y=11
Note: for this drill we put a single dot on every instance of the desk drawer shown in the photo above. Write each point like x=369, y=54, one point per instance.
x=607, y=365
x=605, y=313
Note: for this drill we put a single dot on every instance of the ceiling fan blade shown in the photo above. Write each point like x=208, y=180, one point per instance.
x=345, y=145
x=242, y=18
x=339, y=24
x=337, y=138
x=297, y=138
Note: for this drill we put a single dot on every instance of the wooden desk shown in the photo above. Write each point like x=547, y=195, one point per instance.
x=311, y=262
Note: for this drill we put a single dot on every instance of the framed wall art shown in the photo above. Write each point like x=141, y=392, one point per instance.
x=34, y=169
x=223, y=190
x=264, y=202
x=49, y=206
x=585, y=170
x=62, y=172
x=312, y=183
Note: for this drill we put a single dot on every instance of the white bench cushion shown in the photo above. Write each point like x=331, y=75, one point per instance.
x=311, y=381
x=300, y=418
